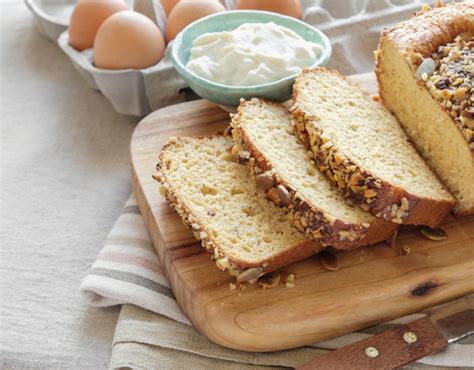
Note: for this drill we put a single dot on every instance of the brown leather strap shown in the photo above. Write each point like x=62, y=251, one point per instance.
x=390, y=349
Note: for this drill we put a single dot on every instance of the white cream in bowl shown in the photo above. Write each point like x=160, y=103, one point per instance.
x=252, y=54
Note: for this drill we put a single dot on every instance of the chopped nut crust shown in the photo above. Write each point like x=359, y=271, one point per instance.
x=451, y=82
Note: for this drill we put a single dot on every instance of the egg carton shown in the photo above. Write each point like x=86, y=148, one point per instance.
x=353, y=26
x=131, y=92
x=51, y=17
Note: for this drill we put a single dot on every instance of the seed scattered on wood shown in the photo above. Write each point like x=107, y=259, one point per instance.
x=249, y=274
x=329, y=261
x=434, y=233
x=270, y=280
x=290, y=278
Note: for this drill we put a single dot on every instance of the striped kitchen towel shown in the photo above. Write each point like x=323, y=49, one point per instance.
x=127, y=271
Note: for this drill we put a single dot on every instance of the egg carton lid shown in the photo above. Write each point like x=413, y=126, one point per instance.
x=52, y=18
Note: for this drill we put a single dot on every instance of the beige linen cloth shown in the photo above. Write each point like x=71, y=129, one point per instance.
x=152, y=332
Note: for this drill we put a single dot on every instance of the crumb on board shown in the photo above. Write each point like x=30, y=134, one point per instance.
x=290, y=278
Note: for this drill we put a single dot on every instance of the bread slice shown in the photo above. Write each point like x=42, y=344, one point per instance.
x=435, y=109
x=363, y=150
x=283, y=169
x=246, y=234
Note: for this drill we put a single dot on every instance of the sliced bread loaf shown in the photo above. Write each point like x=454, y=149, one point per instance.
x=425, y=69
x=267, y=141
x=363, y=150
x=246, y=234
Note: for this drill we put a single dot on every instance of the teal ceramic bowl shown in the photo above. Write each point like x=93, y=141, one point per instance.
x=230, y=95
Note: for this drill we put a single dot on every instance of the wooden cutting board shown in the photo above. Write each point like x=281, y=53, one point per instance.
x=372, y=285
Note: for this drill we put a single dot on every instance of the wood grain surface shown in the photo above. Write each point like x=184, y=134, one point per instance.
x=372, y=285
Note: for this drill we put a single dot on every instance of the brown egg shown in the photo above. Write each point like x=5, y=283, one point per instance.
x=187, y=11
x=128, y=40
x=291, y=8
x=168, y=5
x=87, y=17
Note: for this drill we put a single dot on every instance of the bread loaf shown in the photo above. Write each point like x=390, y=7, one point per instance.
x=425, y=70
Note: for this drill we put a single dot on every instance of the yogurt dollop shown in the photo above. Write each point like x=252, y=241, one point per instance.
x=252, y=54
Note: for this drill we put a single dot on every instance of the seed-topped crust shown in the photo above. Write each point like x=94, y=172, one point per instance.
x=367, y=190
x=441, y=41
x=355, y=183
x=421, y=35
x=449, y=77
x=307, y=216
x=242, y=269
x=436, y=47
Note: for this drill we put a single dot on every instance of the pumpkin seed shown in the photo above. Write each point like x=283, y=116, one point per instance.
x=434, y=233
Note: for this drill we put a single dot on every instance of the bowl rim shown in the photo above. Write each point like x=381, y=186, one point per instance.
x=183, y=70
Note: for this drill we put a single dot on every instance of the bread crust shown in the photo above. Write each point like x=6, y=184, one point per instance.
x=427, y=30
x=235, y=265
x=465, y=212
x=317, y=223
x=419, y=37
x=367, y=190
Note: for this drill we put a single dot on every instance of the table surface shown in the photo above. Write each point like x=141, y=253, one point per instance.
x=65, y=175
